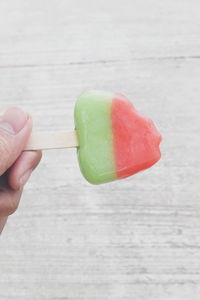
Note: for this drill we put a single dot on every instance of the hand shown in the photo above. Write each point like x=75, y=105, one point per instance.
x=16, y=166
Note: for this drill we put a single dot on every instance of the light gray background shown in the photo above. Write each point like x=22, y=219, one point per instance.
x=134, y=239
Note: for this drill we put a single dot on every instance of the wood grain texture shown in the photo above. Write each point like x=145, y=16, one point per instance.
x=46, y=140
x=135, y=239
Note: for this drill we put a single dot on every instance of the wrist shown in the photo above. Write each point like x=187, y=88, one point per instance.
x=3, y=221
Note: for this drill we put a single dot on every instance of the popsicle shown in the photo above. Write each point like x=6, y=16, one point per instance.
x=113, y=139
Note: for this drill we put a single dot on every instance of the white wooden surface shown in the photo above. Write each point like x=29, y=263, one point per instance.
x=134, y=239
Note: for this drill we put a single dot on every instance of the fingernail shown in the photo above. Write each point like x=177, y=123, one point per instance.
x=25, y=177
x=13, y=120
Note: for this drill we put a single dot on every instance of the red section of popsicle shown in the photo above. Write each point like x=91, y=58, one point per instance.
x=136, y=139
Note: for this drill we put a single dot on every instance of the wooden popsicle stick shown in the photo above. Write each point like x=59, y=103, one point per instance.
x=52, y=140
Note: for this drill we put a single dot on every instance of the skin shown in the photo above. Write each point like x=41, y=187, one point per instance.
x=16, y=166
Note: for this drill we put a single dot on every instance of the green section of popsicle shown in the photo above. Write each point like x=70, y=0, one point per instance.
x=94, y=129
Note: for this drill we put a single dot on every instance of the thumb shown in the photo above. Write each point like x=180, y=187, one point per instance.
x=15, y=129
